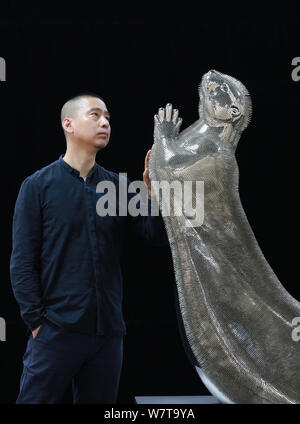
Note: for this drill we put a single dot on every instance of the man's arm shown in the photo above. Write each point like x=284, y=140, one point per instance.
x=25, y=257
x=150, y=227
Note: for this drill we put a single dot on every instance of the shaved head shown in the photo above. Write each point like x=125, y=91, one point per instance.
x=85, y=121
x=72, y=106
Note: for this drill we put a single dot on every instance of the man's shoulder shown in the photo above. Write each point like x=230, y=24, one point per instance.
x=38, y=176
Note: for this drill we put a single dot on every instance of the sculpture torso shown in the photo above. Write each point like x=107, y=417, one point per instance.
x=236, y=314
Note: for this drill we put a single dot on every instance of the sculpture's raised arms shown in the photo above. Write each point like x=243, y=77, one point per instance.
x=236, y=314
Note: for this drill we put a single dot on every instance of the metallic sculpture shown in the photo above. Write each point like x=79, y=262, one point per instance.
x=237, y=317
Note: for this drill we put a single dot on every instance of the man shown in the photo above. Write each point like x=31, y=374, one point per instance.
x=65, y=266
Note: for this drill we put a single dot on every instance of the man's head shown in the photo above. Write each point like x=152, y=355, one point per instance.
x=85, y=121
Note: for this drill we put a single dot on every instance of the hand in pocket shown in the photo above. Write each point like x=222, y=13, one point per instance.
x=35, y=332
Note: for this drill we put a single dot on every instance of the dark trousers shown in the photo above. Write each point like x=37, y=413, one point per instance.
x=56, y=356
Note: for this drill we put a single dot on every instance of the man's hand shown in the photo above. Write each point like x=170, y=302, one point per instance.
x=34, y=332
x=146, y=177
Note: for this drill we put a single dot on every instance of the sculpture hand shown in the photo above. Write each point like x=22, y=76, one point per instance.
x=167, y=123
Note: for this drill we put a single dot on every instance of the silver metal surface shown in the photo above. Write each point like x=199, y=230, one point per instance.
x=237, y=316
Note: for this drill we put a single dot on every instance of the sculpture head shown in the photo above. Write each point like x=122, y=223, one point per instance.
x=224, y=100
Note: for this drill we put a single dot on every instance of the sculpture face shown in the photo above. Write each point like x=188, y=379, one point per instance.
x=223, y=99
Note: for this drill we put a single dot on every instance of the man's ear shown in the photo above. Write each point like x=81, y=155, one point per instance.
x=67, y=125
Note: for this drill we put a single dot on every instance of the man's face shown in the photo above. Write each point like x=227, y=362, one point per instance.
x=91, y=126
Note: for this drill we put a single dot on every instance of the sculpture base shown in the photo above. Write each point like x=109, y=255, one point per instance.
x=176, y=399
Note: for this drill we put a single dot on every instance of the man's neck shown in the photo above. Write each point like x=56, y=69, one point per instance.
x=82, y=161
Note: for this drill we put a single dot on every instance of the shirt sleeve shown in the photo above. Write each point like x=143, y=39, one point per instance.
x=25, y=256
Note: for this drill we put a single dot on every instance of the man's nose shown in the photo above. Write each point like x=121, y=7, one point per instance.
x=104, y=122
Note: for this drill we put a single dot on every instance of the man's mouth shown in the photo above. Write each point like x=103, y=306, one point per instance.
x=103, y=134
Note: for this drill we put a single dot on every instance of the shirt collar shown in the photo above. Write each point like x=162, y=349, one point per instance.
x=72, y=170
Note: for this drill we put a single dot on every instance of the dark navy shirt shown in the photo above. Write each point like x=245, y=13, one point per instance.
x=65, y=261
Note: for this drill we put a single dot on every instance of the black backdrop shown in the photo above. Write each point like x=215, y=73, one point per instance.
x=138, y=60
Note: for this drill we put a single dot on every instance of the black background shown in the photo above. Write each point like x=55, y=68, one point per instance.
x=139, y=58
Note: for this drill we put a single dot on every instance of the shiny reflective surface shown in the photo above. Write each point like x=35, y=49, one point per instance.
x=237, y=315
